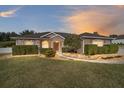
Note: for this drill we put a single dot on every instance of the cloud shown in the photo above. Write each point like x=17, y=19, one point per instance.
x=9, y=13
x=92, y=20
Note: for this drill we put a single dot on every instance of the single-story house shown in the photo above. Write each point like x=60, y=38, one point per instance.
x=94, y=38
x=118, y=40
x=55, y=40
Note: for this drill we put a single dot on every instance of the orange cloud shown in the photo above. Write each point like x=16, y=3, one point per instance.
x=90, y=21
x=9, y=13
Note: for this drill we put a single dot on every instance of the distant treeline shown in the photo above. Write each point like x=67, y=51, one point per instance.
x=6, y=36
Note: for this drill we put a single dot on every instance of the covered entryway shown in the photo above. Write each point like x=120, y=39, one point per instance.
x=56, y=46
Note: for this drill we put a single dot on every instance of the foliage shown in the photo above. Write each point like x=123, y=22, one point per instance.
x=90, y=49
x=103, y=50
x=113, y=36
x=6, y=36
x=43, y=50
x=27, y=32
x=7, y=44
x=68, y=50
x=106, y=49
x=24, y=49
x=48, y=52
x=73, y=42
x=113, y=48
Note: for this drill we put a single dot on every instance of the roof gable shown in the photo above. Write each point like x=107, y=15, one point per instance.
x=51, y=35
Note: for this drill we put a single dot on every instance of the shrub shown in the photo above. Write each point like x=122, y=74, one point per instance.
x=43, y=50
x=103, y=50
x=48, y=52
x=69, y=50
x=113, y=48
x=72, y=41
x=24, y=49
x=106, y=49
x=90, y=49
x=100, y=50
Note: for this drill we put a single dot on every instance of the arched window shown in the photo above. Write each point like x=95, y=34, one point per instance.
x=45, y=44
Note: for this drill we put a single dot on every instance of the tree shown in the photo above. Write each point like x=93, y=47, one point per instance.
x=73, y=42
x=27, y=32
x=113, y=36
x=13, y=34
x=6, y=36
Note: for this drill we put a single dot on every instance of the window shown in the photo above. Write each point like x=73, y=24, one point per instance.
x=45, y=44
x=28, y=42
x=98, y=42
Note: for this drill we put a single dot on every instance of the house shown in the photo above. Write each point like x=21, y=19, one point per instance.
x=118, y=40
x=55, y=40
x=94, y=38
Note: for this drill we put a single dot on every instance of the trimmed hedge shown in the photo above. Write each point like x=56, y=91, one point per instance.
x=106, y=49
x=24, y=49
x=48, y=52
x=113, y=48
x=68, y=50
x=90, y=49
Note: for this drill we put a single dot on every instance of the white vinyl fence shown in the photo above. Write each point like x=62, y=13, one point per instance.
x=5, y=50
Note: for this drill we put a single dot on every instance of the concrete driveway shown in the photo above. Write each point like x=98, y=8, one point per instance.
x=121, y=50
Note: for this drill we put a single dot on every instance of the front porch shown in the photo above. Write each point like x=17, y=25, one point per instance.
x=56, y=45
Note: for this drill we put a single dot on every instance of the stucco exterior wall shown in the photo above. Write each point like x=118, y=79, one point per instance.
x=107, y=41
x=23, y=42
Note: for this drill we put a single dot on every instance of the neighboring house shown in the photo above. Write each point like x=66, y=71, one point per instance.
x=118, y=40
x=55, y=40
x=94, y=38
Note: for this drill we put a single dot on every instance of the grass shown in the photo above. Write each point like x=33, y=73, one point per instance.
x=39, y=72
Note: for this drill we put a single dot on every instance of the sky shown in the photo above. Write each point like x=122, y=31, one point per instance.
x=77, y=19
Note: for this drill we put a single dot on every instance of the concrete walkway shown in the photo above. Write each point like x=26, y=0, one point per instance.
x=92, y=61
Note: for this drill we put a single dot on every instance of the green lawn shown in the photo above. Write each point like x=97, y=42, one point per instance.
x=38, y=72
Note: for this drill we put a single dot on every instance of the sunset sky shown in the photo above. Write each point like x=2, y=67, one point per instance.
x=75, y=19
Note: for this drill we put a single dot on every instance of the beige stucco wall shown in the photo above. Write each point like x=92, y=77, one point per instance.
x=23, y=42
x=107, y=41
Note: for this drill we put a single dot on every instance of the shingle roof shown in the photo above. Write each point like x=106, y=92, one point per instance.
x=63, y=34
x=93, y=36
x=120, y=37
x=38, y=35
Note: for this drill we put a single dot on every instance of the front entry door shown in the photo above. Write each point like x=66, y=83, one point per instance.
x=56, y=46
